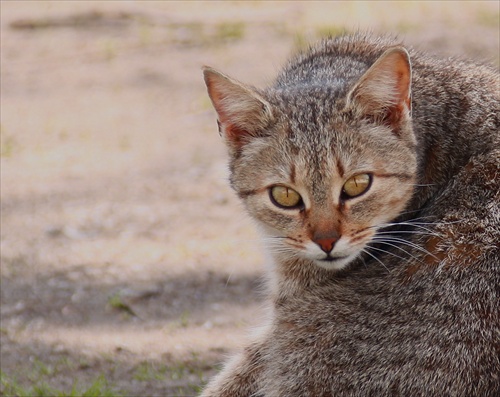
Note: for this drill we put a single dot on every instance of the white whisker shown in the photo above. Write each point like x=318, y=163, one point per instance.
x=374, y=257
x=383, y=241
x=386, y=252
x=363, y=260
x=414, y=220
x=392, y=233
x=410, y=212
x=403, y=241
x=414, y=224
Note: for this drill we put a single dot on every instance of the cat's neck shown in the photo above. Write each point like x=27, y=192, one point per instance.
x=440, y=159
x=452, y=124
x=293, y=279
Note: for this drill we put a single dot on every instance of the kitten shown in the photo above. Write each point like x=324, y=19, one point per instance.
x=373, y=173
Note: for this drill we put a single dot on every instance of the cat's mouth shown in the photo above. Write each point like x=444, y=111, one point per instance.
x=333, y=262
x=330, y=258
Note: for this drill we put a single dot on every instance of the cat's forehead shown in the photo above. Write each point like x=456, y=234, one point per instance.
x=311, y=114
x=311, y=118
x=308, y=105
x=328, y=144
x=317, y=138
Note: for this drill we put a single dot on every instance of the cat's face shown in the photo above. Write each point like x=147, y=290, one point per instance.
x=322, y=197
x=317, y=170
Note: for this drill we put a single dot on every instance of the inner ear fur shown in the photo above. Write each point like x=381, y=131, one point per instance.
x=383, y=93
x=242, y=112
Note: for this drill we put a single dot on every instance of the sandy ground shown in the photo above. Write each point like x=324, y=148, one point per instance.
x=123, y=250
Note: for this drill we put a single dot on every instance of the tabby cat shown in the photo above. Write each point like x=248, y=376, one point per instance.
x=372, y=171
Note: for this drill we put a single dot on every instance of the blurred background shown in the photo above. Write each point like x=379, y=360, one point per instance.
x=127, y=265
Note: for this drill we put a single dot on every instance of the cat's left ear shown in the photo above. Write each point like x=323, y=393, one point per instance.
x=243, y=113
x=383, y=93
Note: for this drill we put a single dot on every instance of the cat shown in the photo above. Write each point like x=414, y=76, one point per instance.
x=373, y=172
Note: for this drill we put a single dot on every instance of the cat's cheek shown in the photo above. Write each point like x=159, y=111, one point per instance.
x=383, y=205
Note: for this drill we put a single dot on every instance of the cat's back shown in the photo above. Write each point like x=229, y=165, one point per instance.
x=348, y=56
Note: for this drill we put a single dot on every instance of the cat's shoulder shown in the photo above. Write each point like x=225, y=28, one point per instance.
x=469, y=212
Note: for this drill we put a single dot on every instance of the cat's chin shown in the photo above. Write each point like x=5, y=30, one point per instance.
x=334, y=263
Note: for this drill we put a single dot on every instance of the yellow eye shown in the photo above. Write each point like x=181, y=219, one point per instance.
x=356, y=185
x=283, y=196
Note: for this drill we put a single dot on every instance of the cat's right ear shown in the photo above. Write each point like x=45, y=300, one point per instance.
x=242, y=112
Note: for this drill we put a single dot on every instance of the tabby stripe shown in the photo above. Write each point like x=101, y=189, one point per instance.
x=292, y=173
x=340, y=168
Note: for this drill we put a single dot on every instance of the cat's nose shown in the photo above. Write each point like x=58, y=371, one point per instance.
x=326, y=244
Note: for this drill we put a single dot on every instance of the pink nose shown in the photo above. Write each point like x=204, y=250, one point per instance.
x=326, y=244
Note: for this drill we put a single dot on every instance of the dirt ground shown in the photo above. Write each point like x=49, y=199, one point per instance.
x=124, y=253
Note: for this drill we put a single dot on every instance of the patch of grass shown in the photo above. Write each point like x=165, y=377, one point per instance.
x=178, y=371
x=147, y=371
x=330, y=31
x=189, y=390
x=145, y=32
x=193, y=366
x=228, y=31
x=109, y=49
x=487, y=18
x=183, y=321
x=7, y=143
x=10, y=388
x=300, y=41
x=124, y=143
x=86, y=20
x=116, y=302
x=406, y=27
x=40, y=370
x=98, y=388
x=200, y=34
x=304, y=38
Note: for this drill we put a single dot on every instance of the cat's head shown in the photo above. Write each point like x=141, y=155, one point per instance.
x=321, y=167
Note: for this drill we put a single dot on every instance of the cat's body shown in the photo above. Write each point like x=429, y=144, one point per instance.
x=326, y=160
